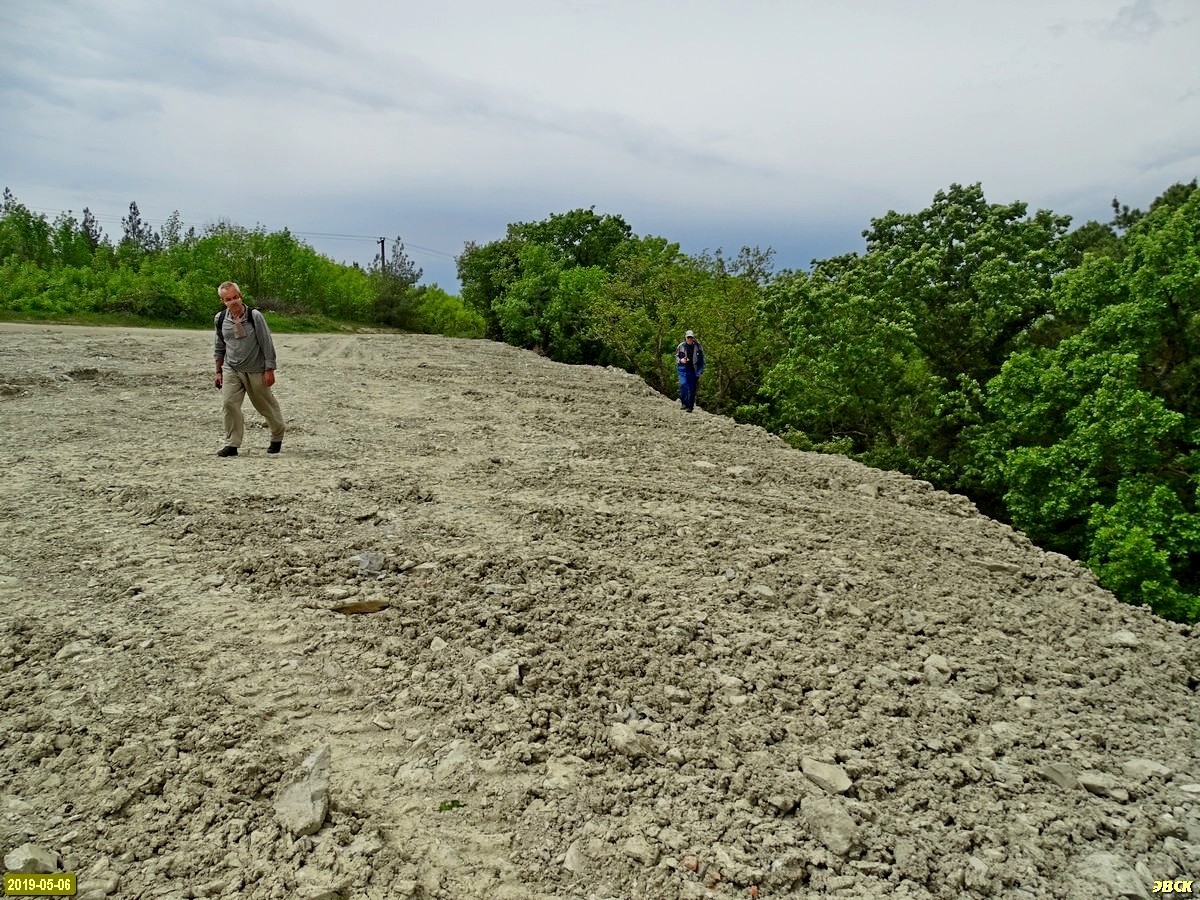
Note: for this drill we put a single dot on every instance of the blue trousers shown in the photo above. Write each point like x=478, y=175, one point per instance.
x=688, y=380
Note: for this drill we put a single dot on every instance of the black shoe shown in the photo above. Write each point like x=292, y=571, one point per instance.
x=227, y=451
x=275, y=446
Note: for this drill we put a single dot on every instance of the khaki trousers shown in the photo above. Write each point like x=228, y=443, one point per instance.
x=234, y=389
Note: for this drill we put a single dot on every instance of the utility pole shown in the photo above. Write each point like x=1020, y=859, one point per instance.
x=382, y=254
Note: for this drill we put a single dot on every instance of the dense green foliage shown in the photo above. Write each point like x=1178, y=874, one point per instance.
x=69, y=269
x=582, y=288
x=1047, y=373
x=888, y=352
x=1095, y=440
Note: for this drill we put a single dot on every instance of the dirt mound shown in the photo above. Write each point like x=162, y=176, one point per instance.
x=608, y=649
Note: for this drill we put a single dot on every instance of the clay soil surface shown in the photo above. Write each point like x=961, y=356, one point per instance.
x=619, y=652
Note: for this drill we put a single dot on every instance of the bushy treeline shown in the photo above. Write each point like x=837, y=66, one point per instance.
x=1050, y=374
x=68, y=268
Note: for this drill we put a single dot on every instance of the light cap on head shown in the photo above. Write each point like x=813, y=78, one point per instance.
x=689, y=334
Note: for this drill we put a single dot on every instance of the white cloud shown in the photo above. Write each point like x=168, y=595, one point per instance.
x=444, y=122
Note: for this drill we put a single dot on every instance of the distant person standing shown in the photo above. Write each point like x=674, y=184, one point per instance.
x=245, y=357
x=689, y=362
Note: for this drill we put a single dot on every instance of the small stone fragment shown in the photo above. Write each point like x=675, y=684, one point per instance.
x=1096, y=783
x=71, y=651
x=937, y=669
x=1145, y=769
x=576, y=860
x=642, y=850
x=302, y=805
x=628, y=742
x=1060, y=773
x=370, y=562
x=30, y=859
x=826, y=776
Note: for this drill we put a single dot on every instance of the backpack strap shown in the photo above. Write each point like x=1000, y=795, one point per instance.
x=249, y=315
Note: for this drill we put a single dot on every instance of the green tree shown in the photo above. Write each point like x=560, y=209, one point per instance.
x=1175, y=196
x=91, y=230
x=171, y=233
x=396, y=293
x=724, y=310
x=581, y=238
x=889, y=351
x=639, y=318
x=69, y=242
x=69, y=268
x=568, y=314
x=520, y=309
x=854, y=378
x=138, y=238
x=1090, y=237
x=1095, y=442
x=438, y=312
x=484, y=271
x=25, y=236
x=1124, y=218
x=974, y=274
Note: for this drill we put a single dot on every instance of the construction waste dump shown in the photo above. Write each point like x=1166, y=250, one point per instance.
x=495, y=627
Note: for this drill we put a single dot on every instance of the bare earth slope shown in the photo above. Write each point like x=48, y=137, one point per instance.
x=628, y=652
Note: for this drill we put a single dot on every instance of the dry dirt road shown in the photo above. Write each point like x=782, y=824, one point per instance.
x=625, y=652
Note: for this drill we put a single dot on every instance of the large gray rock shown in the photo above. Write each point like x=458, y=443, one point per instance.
x=1108, y=875
x=826, y=776
x=301, y=806
x=30, y=859
x=1145, y=769
x=830, y=823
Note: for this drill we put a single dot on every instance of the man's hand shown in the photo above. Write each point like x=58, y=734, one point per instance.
x=218, y=381
x=269, y=377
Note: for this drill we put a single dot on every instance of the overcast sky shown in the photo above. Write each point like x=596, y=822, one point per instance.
x=714, y=124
